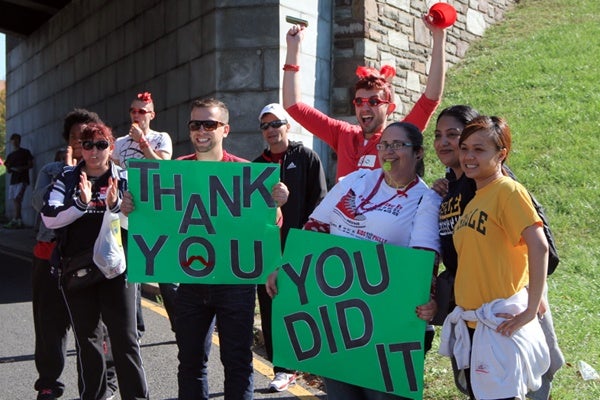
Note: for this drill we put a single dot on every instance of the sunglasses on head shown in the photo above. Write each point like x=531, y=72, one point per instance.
x=373, y=101
x=133, y=110
x=100, y=144
x=207, y=125
x=273, y=124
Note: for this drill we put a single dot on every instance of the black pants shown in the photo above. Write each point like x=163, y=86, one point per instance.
x=51, y=324
x=115, y=301
x=168, y=292
x=266, y=306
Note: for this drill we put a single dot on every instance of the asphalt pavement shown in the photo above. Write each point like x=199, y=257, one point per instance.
x=159, y=350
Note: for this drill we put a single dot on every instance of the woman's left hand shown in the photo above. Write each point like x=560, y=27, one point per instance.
x=427, y=311
x=514, y=322
x=112, y=195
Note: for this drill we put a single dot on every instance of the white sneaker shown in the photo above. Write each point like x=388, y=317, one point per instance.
x=282, y=381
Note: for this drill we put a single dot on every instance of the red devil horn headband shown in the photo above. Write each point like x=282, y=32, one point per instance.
x=386, y=73
x=146, y=97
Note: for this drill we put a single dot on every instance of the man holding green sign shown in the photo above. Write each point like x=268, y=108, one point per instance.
x=215, y=237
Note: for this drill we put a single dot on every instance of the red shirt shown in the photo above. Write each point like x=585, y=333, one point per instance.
x=347, y=139
x=226, y=157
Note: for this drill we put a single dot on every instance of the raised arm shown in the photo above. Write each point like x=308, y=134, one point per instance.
x=292, y=92
x=437, y=69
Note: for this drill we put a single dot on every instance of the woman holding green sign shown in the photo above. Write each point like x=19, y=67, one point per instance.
x=391, y=205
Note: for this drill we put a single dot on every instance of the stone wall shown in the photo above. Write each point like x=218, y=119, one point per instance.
x=378, y=32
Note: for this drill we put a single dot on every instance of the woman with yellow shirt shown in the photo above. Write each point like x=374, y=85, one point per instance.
x=502, y=253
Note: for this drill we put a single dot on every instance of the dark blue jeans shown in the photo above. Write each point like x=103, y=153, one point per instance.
x=197, y=307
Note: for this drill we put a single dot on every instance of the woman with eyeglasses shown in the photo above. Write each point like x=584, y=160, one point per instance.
x=74, y=207
x=390, y=205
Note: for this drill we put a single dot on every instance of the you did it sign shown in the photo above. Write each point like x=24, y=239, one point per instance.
x=202, y=222
x=345, y=309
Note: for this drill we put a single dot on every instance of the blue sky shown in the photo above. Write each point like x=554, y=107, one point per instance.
x=2, y=57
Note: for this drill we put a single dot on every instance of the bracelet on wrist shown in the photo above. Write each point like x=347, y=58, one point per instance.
x=291, y=67
x=143, y=143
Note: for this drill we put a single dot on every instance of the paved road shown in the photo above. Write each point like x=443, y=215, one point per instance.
x=159, y=351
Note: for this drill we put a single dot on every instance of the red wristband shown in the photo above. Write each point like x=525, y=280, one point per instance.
x=143, y=143
x=291, y=67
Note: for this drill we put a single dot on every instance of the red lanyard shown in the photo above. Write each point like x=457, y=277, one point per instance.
x=399, y=192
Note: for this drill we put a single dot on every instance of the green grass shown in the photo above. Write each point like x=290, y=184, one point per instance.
x=539, y=69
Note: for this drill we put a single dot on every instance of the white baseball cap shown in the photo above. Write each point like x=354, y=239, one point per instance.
x=276, y=109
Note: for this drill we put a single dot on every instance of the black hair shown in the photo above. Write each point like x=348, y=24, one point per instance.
x=78, y=116
x=462, y=113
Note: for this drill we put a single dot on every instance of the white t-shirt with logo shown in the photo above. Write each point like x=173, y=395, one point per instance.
x=363, y=206
x=126, y=148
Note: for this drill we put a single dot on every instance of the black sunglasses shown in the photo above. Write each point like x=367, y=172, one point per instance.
x=207, y=125
x=273, y=124
x=100, y=145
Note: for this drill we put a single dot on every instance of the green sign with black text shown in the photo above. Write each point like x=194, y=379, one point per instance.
x=202, y=222
x=345, y=309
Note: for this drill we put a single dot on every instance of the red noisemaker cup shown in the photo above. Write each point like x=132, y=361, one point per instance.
x=442, y=15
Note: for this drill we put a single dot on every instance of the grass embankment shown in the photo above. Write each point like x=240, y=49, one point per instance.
x=539, y=69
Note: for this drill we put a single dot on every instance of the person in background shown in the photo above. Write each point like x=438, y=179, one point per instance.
x=74, y=208
x=200, y=305
x=17, y=163
x=502, y=260
x=458, y=190
x=50, y=316
x=302, y=173
x=373, y=103
x=143, y=142
x=371, y=205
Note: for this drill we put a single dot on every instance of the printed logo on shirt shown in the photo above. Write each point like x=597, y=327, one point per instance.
x=482, y=369
x=291, y=165
x=367, y=161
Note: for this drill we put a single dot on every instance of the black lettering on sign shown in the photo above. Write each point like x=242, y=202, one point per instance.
x=291, y=321
x=299, y=280
x=195, y=203
x=150, y=253
x=342, y=255
x=407, y=349
x=176, y=191
x=185, y=260
x=328, y=329
x=144, y=167
x=383, y=268
x=257, y=185
x=258, y=260
x=342, y=309
x=233, y=203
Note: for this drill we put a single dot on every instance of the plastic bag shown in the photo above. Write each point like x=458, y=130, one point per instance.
x=109, y=255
